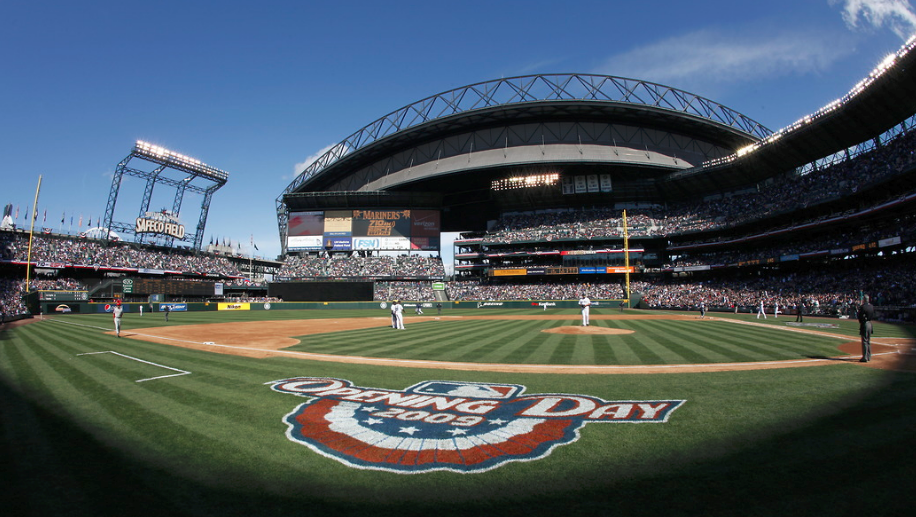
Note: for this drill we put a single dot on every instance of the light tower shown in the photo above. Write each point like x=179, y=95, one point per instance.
x=172, y=170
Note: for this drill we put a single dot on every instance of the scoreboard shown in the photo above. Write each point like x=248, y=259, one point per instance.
x=171, y=287
x=348, y=230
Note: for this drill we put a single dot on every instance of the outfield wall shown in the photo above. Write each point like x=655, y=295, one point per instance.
x=409, y=306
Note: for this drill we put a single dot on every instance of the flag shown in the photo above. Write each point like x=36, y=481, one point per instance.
x=62, y=217
x=17, y=212
x=81, y=221
x=44, y=218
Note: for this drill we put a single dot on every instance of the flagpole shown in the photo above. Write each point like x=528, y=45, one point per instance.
x=28, y=260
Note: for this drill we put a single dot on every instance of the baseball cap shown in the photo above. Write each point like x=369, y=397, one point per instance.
x=118, y=302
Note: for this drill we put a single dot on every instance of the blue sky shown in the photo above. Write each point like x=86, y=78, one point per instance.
x=260, y=88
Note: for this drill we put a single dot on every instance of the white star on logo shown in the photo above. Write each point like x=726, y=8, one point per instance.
x=372, y=421
x=369, y=409
x=456, y=432
x=497, y=421
x=408, y=430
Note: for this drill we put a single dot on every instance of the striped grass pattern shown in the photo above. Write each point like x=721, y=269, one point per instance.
x=653, y=342
x=86, y=431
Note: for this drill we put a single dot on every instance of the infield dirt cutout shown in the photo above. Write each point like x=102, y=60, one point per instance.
x=261, y=339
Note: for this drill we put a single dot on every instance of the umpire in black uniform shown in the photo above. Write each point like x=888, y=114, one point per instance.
x=866, y=314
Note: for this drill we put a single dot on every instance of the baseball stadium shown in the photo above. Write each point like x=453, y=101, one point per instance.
x=626, y=253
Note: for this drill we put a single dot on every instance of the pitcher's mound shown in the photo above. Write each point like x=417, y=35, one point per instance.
x=586, y=330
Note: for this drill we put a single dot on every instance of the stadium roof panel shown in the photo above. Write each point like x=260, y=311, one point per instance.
x=538, y=96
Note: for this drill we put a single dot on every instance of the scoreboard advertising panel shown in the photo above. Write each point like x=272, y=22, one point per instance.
x=377, y=229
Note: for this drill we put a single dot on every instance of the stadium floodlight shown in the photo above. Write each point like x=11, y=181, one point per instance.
x=164, y=156
x=534, y=180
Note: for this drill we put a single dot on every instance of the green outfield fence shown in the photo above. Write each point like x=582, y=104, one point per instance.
x=79, y=307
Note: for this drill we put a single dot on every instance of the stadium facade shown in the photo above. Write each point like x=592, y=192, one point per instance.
x=571, y=152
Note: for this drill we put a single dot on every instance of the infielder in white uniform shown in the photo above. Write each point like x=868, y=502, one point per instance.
x=761, y=310
x=397, y=315
x=585, y=303
x=117, y=312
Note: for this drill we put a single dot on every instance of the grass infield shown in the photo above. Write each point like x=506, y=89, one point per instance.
x=82, y=437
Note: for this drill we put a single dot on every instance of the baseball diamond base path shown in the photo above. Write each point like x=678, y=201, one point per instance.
x=269, y=338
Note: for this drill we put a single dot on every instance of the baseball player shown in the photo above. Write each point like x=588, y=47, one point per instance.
x=419, y=309
x=865, y=315
x=585, y=303
x=761, y=310
x=399, y=315
x=117, y=312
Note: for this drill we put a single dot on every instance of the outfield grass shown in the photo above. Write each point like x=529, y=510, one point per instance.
x=82, y=437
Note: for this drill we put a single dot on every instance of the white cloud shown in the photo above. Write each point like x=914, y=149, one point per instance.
x=299, y=167
x=898, y=15
x=706, y=59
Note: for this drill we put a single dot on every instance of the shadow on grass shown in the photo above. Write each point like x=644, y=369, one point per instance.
x=857, y=462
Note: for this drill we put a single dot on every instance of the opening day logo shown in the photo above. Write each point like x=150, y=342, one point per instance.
x=446, y=425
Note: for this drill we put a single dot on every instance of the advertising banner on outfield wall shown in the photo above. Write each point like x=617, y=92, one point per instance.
x=233, y=306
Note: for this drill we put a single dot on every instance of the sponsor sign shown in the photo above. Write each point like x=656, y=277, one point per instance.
x=163, y=222
x=465, y=427
x=489, y=304
x=508, y=272
x=425, y=223
x=892, y=241
x=173, y=307
x=304, y=242
x=233, y=306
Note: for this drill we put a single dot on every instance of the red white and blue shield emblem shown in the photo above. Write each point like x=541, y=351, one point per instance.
x=446, y=425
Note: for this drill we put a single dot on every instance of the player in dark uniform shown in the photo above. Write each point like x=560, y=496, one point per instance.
x=866, y=314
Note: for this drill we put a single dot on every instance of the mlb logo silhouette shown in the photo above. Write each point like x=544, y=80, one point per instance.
x=446, y=425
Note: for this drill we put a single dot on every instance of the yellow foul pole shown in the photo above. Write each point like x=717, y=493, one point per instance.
x=28, y=260
x=626, y=257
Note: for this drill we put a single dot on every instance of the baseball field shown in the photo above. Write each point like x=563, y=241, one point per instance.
x=472, y=412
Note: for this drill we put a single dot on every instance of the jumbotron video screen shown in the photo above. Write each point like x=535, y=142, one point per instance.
x=376, y=230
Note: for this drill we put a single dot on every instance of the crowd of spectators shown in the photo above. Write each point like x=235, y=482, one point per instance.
x=475, y=290
x=364, y=267
x=412, y=291
x=904, y=227
x=11, y=304
x=88, y=252
x=791, y=192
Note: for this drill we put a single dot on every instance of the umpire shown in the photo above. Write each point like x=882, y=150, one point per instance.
x=865, y=314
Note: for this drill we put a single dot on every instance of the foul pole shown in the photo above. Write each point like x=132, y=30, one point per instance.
x=626, y=258
x=28, y=260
